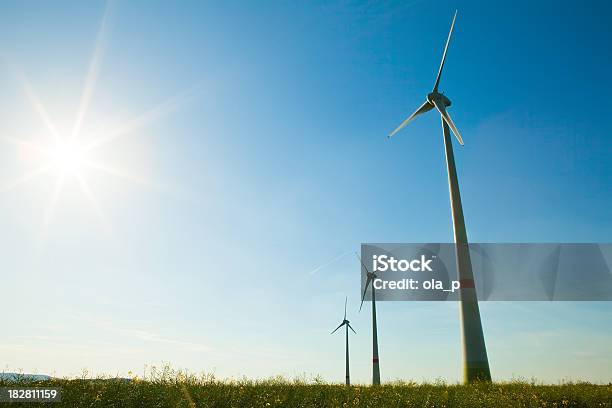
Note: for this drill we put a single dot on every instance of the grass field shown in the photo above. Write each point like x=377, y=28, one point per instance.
x=189, y=391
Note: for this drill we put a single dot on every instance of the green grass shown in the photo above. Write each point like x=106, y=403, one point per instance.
x=178, y=390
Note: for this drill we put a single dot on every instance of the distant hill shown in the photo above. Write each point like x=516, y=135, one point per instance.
x=23, y=377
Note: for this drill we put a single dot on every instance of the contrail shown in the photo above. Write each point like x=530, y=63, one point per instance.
x=326, y=264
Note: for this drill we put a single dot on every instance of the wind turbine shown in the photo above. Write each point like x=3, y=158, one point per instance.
x=347, y=325
x=475, y=361
x=375, y=366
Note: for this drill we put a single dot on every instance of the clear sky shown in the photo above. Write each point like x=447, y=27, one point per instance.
x=251, y=161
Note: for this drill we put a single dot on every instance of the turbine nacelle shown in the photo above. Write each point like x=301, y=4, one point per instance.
x=435, y=95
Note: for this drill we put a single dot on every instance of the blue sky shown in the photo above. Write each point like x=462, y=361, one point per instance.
x=258, y=154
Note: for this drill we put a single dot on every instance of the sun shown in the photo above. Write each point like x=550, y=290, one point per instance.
x=70, y=155
x=68, y=158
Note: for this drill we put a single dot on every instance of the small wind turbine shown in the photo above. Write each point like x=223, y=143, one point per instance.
x=475, y=361
x=347, y=325
x=375, y=366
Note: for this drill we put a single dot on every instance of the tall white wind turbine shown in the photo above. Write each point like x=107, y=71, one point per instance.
x=348, y=326
x=370, y=276
x=475, y=361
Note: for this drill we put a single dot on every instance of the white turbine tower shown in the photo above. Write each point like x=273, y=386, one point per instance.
x=375, y=365
x=475, y=361
x=347, y=325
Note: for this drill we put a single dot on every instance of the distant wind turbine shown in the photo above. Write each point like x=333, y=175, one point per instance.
x=370, y=279
x=347, y=325
x=475, y=361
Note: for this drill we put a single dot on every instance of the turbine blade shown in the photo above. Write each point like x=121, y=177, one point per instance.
x=448, y=120
x=345, y=300
x=365, y=289
x=426, y=106
x=368, y=280
x=450, y=33
x=446, y=129
x=351, y=327
x=361, y=261
x=341, y=324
